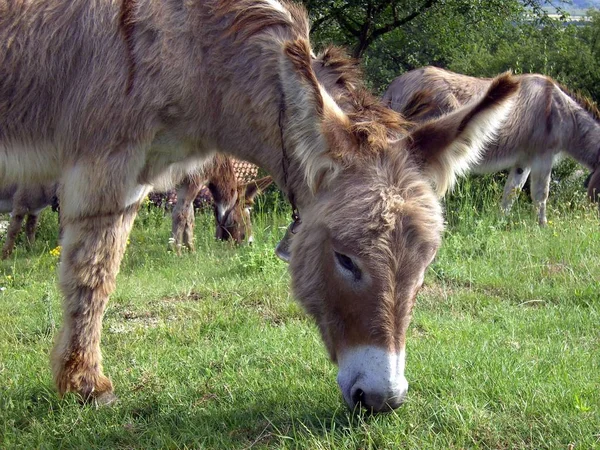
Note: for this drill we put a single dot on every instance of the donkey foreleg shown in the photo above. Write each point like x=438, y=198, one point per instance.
x=30, y=227
x=14, y=228
x=92, y=251
x=96, y=218
x=540, y=187
x=182, y=228
x=178, y=224
x=188, y=233
x=515, y=182
x=593, y=186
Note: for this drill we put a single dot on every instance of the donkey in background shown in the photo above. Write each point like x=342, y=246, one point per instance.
x=25, y=200
x=232, y=202
x=133, y=91
x=545, y=121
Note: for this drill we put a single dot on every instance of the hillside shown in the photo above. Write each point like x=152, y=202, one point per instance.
x=579, y=5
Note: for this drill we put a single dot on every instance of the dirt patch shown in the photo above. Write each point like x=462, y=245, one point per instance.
x=192, y=297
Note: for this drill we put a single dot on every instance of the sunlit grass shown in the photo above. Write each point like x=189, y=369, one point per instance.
x=209, y=350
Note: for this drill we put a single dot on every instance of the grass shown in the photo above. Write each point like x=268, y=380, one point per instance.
x=209, y=350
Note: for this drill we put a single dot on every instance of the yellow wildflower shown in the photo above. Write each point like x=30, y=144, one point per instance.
x=55, y=251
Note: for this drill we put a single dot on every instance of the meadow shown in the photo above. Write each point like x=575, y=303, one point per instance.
x=209, y=350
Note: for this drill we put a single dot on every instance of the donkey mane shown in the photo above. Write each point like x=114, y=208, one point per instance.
x=251, y=18
x=344, y=70
x=582, y=100
x=221, y=167
x=372, y=124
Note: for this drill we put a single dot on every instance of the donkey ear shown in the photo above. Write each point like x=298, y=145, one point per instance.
x=307, y=108
x=448, y=146
x=256, y=187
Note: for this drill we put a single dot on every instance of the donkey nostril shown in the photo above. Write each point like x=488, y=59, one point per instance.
x=358, y=397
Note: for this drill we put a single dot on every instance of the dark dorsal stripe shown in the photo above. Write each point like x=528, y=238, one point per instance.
x=127, y=27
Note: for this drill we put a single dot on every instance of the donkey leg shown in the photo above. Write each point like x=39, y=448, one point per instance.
x=188, y=235
x=93, y=246
x=14, y=228
x=540, y=187
x=178, y=223
x=594, y=186
x=180, y=217
x=515, y=182
x=30, y=227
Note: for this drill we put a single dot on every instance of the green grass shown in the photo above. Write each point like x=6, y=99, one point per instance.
x=209, y=350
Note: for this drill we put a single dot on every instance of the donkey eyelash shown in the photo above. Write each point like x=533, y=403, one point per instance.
x=347, y=263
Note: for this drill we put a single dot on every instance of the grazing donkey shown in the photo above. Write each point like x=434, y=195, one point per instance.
x=113, y=97
x=546, y=120
x=232, y=202
x=233, y=221
x=25, y=200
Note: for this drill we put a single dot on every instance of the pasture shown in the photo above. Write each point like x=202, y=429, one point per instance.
x=209, y=350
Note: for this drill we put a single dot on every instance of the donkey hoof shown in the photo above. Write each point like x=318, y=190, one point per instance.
x=105, y=399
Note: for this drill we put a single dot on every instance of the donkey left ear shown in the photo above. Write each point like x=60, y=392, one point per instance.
x=448, y=146
x=307, y=108
x=256, y=187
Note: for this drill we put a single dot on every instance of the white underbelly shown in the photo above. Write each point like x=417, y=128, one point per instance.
x=19, y=163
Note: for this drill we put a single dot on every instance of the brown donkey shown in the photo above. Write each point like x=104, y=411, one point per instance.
x=546, y=119
x=111, y=97
x=232, y=202
x=25, y=200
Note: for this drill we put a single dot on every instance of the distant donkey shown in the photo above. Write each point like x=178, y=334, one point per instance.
x=546, y=120
x=25, y=200
x=113, y=98
x=232, y=201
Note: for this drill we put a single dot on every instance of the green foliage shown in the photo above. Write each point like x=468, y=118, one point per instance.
x=480, y=38
x=393, y=37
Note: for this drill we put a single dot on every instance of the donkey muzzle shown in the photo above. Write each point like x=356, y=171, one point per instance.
x=372, y=378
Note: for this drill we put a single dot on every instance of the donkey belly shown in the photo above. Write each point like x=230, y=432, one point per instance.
x=492, y=163
x=508, y=152
x=28, y=163
x=6, y=205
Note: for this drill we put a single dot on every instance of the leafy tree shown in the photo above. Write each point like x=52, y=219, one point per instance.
x=360, y=23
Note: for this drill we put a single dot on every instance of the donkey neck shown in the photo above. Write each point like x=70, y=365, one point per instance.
x=242, y=97
x=585, y=145
x=224, y=83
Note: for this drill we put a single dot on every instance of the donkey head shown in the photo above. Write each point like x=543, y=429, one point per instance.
x=373, y=221
x=232, y=209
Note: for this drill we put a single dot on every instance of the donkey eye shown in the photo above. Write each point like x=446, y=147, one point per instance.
x=347, y=263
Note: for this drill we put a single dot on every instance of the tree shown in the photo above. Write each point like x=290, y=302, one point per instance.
x=360, y=23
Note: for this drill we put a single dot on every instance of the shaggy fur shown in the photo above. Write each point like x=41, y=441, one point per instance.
x=234, y=75
x=546, y=120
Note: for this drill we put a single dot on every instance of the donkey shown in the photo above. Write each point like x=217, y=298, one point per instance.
x=234, y=222
x=232, y=202
x=112, y=97
x=25, y=200
x=546, y=120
